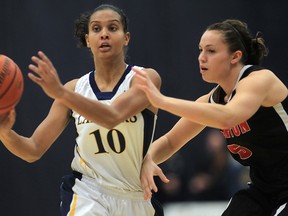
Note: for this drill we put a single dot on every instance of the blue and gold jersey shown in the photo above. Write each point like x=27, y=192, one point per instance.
x=113, y=157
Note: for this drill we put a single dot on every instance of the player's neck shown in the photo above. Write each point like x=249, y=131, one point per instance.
x=107, y=76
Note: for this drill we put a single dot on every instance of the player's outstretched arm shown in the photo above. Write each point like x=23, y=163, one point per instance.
x=126, y=105
x=32, y=148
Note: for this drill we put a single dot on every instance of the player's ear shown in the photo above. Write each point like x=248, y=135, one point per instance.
x=87, y=40
x=236, y=57
x=127, y=38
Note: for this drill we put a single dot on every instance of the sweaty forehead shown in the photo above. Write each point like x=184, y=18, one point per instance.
x=105, y=15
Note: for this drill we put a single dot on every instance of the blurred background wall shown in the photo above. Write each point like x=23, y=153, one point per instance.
x=165, y=36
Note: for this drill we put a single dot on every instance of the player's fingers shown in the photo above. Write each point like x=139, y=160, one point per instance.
x=40, y=65
x=152, y=184
x=146, y=188
x=12, y=116
x=147, y=193
x=137, y=70
x=4, y=118
x=140, y=73
x=36, y=70
x=44, y=57
x=43, y=63
x=163, y=177
x=140, y=78
x=35, y=79
x=144, y=182
x=12, y=113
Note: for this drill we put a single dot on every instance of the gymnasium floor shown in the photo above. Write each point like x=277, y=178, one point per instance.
x=195, y=208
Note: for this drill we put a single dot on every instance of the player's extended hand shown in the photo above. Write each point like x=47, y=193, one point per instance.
x=148, y=171
x=145, y=84
x=47, y=77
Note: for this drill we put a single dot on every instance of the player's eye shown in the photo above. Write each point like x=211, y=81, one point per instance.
x=113, y=28
x=210, y=51
x=96, y=28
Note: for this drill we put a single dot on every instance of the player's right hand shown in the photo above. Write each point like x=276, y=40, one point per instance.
x=145, y=84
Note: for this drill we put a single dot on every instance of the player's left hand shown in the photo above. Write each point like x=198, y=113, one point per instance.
x=148, y=171
x=47, y=77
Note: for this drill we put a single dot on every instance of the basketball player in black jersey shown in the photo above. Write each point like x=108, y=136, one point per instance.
x=249, y=105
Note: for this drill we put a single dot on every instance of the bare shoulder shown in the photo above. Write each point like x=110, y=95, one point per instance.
x=263, y=75
x=71, y=84
x=264, y=82
x=152, y=73
x=262, y=78
x=154, y=76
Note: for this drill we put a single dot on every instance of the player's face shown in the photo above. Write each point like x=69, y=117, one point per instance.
x=214, y=57
x=106, y=37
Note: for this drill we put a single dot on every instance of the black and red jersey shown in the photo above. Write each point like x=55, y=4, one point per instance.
x=261, y=142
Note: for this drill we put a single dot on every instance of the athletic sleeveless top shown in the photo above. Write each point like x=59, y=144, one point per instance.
x=113, y=157
x=261, y=142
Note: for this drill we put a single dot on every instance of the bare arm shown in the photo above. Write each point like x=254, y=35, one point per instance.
x=164, y=147
x=261, y=88
x=32, y=148
x=126, y=105
x=167, y=145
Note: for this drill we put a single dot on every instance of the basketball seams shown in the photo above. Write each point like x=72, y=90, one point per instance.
x=11, y=84
x=6, y=72
x=12, y=81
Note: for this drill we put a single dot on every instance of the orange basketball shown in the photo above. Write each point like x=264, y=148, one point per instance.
x=11, y=84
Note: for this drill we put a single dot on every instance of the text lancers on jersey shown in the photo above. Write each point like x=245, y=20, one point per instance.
x=81, y=120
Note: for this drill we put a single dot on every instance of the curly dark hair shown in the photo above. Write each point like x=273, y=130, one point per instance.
x=82, y=22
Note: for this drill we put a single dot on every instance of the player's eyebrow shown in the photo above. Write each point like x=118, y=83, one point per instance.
x=110, y=21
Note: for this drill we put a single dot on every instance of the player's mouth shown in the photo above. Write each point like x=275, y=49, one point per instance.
x=203, y=69
x=104, y=47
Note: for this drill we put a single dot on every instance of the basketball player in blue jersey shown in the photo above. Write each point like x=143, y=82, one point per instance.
x=249, y=105
x=115, y=123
